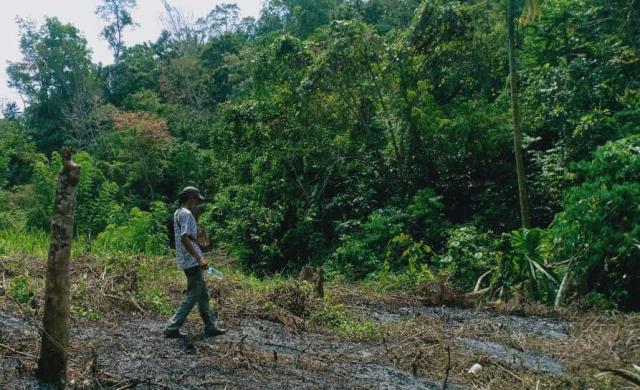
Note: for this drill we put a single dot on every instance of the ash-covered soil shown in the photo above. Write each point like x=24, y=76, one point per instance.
x=278, y=338
x=256, y=353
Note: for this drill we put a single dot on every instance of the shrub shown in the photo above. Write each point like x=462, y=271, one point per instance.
x=42, y=193
x=143, y=232
x=12, y=216
x=293, y=296
x=20, y=288
x=96, y=202
x=468, y=254
x=426, y=218
x=600, y=225
x=599, y=301
x=392, y=236
x=250, y=230
x=362, y=249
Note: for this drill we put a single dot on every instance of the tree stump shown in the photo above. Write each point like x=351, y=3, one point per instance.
x=52, y=363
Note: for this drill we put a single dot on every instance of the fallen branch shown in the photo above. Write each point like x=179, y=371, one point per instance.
x=479, y=282
x=624, y=374
x=393, y=346
x=446, y=376
x=135, y=303
x=479, y=292
x=130, y=300
x=18, y=352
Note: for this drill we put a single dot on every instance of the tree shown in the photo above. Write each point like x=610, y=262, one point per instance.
x=298, y=17
x=142, y=141
x=580, y=71
x=223, y=18
x=137, y=70
x=117, y=16
x=57, y=79
x=531, y=10
x=11, y=111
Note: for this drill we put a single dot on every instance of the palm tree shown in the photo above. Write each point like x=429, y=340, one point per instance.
x=530, y=12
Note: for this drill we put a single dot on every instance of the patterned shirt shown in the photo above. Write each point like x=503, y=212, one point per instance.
x=185, y=224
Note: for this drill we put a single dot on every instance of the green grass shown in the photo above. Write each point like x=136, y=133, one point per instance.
x=334, y=316
x=33, y=243
x=154, y=272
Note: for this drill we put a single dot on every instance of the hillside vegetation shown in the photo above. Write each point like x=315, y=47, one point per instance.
x=374, y=138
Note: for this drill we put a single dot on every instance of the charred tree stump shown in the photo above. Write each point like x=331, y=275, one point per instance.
x=52, y=363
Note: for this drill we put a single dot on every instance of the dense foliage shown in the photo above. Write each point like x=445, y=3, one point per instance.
x=373, y=137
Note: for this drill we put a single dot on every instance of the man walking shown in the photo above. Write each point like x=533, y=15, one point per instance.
x=192, y=262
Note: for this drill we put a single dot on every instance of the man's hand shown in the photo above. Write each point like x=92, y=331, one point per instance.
x=186, y=241
x=202, y=262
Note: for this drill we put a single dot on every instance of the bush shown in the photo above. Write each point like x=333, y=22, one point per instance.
x=143, y=232
x=249, y=230
x=42, y=193
x=363, y=248
x=468, y=254
x=426, y=218
x=393, y=238
x=20, y=288
x=600, y=225
x=12, y=216
x=96, y=202
x=293, y=296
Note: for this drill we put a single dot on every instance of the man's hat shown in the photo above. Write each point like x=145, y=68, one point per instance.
x=191, y=191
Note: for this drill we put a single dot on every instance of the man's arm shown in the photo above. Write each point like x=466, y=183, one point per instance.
x=186, y=241
x=185, y=219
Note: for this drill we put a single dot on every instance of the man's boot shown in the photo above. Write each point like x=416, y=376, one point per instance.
x=214, y=331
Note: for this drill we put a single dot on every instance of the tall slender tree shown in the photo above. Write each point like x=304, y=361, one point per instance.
x=531, y=10
x=117, y=15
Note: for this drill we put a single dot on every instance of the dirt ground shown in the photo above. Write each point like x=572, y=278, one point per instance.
x=414, y=346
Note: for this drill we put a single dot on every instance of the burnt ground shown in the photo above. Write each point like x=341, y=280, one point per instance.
x=412, y=346
x=257, y=353
x=254, y=354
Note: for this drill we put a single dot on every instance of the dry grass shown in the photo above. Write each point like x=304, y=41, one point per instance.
x=106, y=290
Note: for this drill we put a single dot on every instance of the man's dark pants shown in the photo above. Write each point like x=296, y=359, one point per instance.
x=196, y=294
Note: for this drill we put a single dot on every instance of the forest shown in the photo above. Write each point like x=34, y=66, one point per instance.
x=447, y=150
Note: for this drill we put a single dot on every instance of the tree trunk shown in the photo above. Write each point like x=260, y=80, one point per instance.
x=52, y=363
x=515, y=113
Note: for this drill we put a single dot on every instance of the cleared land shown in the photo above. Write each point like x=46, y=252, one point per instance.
x=281, y=337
